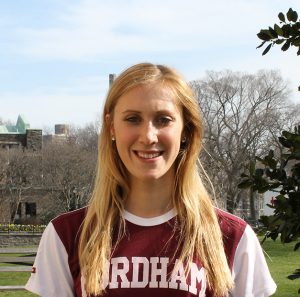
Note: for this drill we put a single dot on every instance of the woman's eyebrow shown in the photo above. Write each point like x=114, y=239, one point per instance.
x=131, y=110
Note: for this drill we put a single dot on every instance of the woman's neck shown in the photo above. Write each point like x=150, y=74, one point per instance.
x=150, y=198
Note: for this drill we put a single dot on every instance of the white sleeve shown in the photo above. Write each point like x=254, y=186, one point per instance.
x=250, y=271
x=51, y=275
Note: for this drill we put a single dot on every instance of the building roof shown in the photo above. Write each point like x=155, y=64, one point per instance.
x=20, y=128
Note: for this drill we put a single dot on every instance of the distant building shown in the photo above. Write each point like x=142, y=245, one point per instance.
x=62, y=132
x=20, y=135
x=269, y=198
x=34, y=207
x=243, y=208
x=35, y=202
x=112, y=77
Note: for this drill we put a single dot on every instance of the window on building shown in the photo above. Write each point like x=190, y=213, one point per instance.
x=30, y=209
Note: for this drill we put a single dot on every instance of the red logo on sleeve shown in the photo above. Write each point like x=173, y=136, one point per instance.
x=33, y=270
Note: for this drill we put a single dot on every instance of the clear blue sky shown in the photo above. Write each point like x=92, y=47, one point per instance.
x=56, y=55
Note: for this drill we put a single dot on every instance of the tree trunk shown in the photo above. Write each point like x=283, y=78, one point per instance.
x=253, y=211
x=230, y=203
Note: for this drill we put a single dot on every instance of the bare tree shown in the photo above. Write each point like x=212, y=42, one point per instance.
x=86, y=137
x=3, y=168
x=70, y=166
x=68, y=173
x=19, y=171
x=63, y=171
x=238, y=111
x=286, y=119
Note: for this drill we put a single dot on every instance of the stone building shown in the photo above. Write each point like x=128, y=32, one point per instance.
x=61, y=135
x=34, y=204
x=20, y=135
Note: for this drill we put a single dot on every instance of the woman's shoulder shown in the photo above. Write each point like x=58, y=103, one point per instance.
x=233, y=229
x=231, y=225
x=68, y=226
x=71, y=217
x=229, y=222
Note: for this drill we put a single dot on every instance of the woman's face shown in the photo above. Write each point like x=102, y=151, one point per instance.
x=147, y=125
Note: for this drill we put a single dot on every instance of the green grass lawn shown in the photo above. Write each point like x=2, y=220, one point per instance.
x=14, y=278
x=282, y=261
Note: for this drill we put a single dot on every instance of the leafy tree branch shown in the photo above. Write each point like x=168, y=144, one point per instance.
x=285, y=34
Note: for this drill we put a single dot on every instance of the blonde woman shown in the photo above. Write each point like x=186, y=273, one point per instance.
x=150, y=228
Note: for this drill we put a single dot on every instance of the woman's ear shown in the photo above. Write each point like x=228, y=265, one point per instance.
x=183, y=136
x=110, y=124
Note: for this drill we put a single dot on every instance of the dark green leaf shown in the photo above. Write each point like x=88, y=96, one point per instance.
x=281, y=17
x=290, y=14
x=296, y=42
x=286, y=30
x=245, y=184
x=263, y=189
x=263, y=240
x=272, y=163
x=273, y=32
x=288, y=135
x=271, y=154
x=297, y=246
x=296, y=28
x=295, y=16
x=264, y=220
x=279, y=41
x=259, y=159
x=261, y=44
x=295, y=156
x=285, y=156
x=278, y=30
x=296, y=138
x=267, y=49
x=285, y=142
x=275, y=186
x=274, y=235
x=264, y=35
x=286, y=46
x=270, y=205
x=295, y=275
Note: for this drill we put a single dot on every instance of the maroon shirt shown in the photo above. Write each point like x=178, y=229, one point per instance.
x=143, y=262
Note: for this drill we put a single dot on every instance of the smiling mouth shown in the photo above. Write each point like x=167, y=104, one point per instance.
x=151, y=155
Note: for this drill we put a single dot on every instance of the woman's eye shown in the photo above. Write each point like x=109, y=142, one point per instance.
x=164, y=120
x=132, y=119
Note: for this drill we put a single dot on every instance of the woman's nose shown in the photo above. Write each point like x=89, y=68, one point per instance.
x=148, y=134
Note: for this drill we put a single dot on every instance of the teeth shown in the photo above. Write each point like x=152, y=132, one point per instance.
x=148, y=156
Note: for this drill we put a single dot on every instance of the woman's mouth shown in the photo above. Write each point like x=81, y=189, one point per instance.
x=148, y=155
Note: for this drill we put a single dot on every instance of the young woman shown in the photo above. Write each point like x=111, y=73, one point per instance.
x=150, y=228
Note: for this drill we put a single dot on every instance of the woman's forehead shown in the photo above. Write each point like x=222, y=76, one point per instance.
x=153, y=94
x=153, y=90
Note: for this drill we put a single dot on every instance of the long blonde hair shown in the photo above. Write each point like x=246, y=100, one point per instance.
x=200, y=232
